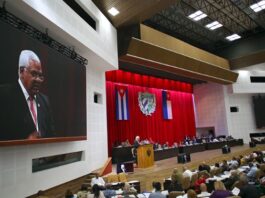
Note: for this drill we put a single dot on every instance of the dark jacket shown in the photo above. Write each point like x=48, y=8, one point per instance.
x=15, y=118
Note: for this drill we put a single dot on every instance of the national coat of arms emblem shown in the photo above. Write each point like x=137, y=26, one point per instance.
x=147, y=102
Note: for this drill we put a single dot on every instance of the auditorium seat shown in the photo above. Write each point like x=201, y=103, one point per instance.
x=122, y=177
x=113, y=178
x=174, y=194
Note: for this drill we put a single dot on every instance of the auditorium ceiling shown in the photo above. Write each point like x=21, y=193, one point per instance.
x=173, y=17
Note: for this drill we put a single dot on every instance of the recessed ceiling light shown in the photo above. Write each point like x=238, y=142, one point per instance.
x=214, y=25
x=113, y=11
x=233, y=37
x=258, y=6
x=198, y=15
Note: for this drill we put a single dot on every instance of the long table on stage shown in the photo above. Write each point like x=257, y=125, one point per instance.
x=165, y=153
x=192, y=148
x=124, y=154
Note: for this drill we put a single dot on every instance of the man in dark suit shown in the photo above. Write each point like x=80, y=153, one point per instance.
x=25, y=112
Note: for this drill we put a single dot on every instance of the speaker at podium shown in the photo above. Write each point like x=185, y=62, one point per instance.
x=183, y=158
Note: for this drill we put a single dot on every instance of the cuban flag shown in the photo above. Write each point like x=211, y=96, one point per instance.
x=167, y=109
x=122, y=106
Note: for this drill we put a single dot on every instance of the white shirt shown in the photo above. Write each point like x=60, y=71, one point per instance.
x=204, y=194
x=187, y=173
x=34, y=103
x=99, y=181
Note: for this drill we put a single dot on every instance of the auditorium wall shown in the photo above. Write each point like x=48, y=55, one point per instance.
x=210, y=107
x=242, y=123
x=213, y=102
x=100, y=48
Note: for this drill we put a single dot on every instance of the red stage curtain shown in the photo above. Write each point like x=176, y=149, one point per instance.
x=154, y=126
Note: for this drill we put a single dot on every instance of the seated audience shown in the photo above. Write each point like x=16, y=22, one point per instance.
x=225, y=166
x=98, y=180
x=177, y=176
x=186, y=172
x=233, y=163
x=204, y=192
x=128, y=190
x=82, y=193
x=96, y=193
x=231, y=180
x=175, y=185
x=157, y=193
x=204, y=166
x=220, y=190
x=191, y=194
x=247, y=190
x=108, y=192
x=252, y=172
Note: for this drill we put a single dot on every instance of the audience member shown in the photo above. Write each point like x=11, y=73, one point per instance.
x=98, y=180
x=108, y=192
x=175, y=185
x=204, y=166
x=220, y=190
x=186, y=172
x=204, y=192
x=157, y=193
x=191, y=193
x=247, y=190
x=252, y=172
x=232, y=179
x=96, y=193
x=82, y=193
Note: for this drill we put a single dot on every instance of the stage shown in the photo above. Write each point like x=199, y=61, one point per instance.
x=163, y=168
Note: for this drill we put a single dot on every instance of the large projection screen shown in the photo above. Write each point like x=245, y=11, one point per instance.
x=64, y=85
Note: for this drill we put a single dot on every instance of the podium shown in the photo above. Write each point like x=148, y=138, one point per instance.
x=145, y=156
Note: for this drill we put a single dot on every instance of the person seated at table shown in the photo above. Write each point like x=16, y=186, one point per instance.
x=165, y=146
x=175, y=145
x=99, y=181
x=220, y=190
x=204, y=192
x=157, y=193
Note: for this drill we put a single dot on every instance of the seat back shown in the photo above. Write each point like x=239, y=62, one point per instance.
x=122, y=177
x=113, y=178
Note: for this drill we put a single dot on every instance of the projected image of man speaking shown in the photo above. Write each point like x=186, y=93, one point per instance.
x=25, y=113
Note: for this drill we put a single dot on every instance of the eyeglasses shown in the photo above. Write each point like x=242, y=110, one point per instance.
x=35, y=74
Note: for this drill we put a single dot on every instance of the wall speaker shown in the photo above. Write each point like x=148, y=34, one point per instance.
x=234, y=109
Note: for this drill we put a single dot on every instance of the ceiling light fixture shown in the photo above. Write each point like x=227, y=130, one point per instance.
x=233, y=37
x=258, y=6
x=198, y=15
x=113, y=11
x=214, y=25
